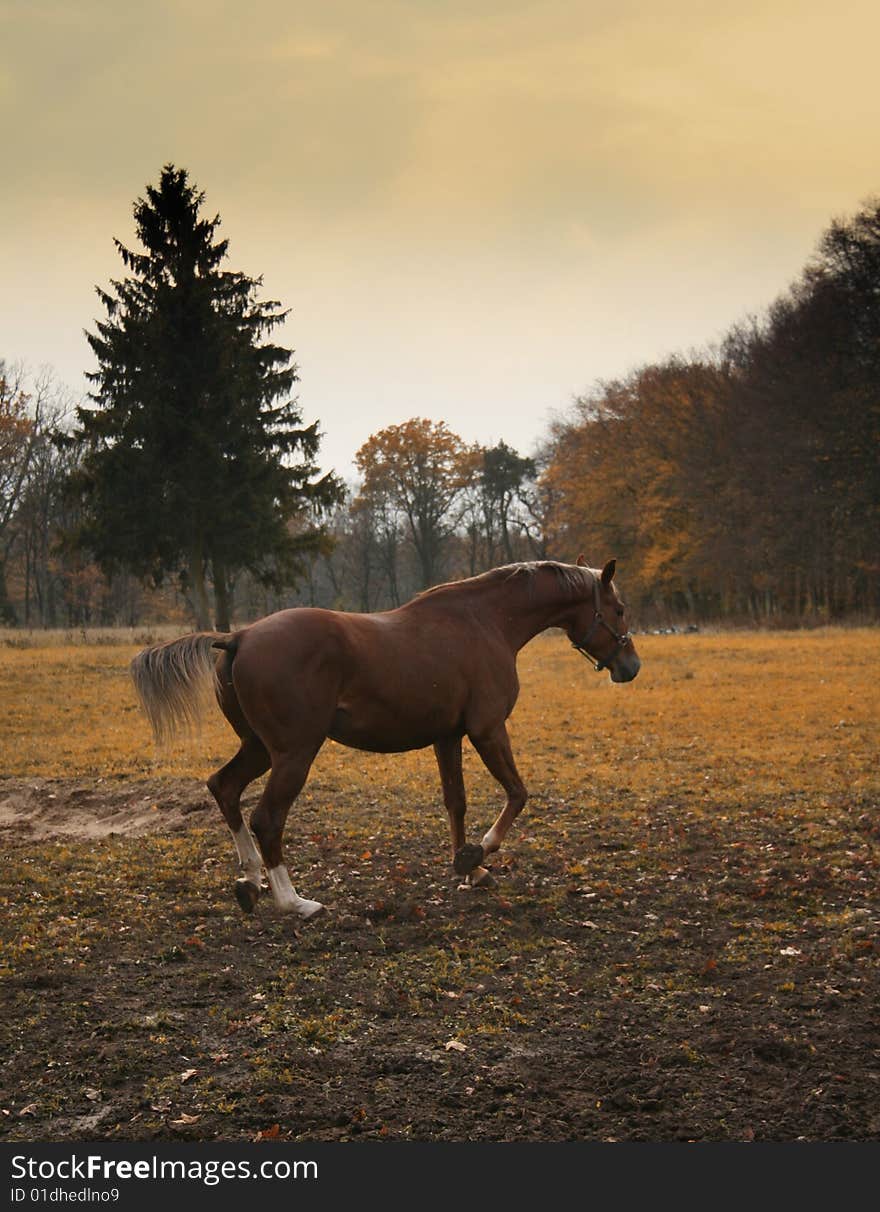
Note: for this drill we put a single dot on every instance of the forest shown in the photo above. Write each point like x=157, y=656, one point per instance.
x=736, y=483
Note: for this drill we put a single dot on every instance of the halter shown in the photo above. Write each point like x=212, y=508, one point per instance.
x=599, y=621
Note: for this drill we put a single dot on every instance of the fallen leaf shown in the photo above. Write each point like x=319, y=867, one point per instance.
x=187, y=1074
x=185, y=1119
x=92, y=1094
x=30, y=1109
x=455, y=1045
x=269, y=1133
x=790, y=951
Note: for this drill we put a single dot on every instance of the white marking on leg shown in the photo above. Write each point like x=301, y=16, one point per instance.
x=491, y=841
x=248, y=855
x=286, y=897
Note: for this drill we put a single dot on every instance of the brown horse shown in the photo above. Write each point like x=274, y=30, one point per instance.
x=438, y=669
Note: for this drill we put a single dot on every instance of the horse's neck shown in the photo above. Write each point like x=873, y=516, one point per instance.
x=526, y=606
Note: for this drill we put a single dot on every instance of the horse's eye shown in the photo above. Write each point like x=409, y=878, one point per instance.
x=620, y=610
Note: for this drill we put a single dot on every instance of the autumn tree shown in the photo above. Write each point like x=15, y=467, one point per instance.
x=196, y=460
x=415, y=472
x=536, y=513
x=745, y=480
x=805, y=391
x=587, y=473
x=846, y=275
x=17, y=438
x=641, y=469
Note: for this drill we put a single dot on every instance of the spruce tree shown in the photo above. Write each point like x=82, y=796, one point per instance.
x=195, y=458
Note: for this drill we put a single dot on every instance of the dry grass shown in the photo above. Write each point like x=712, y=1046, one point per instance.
x=712, y=718
x=63, y=637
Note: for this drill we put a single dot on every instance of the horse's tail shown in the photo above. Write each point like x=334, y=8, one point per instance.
x=171, y=679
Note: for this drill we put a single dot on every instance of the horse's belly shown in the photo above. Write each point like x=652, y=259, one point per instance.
x=387, y=732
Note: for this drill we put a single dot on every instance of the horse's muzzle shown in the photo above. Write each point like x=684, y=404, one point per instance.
x=626, y=667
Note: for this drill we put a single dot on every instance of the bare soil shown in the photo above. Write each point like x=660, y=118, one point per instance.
x=640, y=972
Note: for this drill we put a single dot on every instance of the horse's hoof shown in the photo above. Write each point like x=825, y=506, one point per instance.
x=469, y=856
x=481, y=878
x=478, y=880
x=309, y=909
x=247, y=895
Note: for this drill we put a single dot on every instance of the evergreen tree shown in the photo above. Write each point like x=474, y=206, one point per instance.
x=196, y=461
x=503, y=476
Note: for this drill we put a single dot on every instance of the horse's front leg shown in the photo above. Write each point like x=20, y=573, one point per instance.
x=494, y=749
x=448, y=754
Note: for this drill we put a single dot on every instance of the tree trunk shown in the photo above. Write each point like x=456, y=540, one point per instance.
x=505, y=532
x=7, y=613
x=27, y=581
x=221, y=595
x=474, y=538
x=389, y=560
x=197, y=588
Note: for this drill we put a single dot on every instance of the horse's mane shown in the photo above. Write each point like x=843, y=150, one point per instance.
x=574, y=577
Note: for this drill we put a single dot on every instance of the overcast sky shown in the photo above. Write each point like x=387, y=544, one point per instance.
x=473, y=209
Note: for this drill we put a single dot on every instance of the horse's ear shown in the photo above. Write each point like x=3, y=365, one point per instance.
x=582, y=561
x=608, y=572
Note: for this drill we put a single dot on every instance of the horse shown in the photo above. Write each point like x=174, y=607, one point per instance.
x=437, y=669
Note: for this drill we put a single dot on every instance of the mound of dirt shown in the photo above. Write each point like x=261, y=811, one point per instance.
x=93, y=808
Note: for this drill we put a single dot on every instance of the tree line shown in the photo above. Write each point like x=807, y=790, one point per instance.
x=738, y=482
x=745, y=481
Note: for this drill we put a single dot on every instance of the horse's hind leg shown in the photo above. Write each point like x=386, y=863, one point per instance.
x=289, y=773
x=226, y=786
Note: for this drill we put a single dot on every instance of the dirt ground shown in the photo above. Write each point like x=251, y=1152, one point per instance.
x=646, y=968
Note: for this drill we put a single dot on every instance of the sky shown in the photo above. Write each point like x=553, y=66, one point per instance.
x=474, y=210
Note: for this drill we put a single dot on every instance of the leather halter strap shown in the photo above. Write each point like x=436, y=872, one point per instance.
x=598, y=621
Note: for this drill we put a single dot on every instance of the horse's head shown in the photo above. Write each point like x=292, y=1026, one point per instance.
x=599, y=629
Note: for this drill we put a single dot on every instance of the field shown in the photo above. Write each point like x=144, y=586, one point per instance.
x=682, y=943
